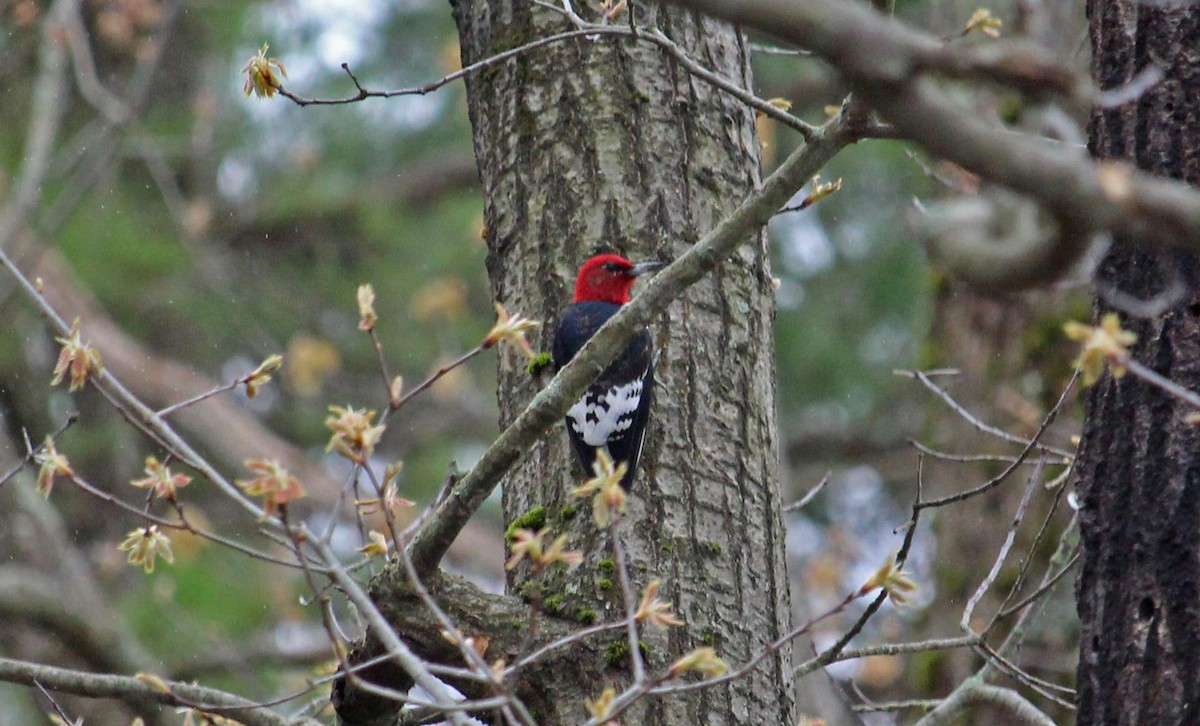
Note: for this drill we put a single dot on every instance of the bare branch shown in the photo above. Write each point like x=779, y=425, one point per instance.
x=981, y=694
x=112, y=108
x=591, y=31
x=999, y=242
x=893, y=706
x=888, y=64
x=1018, y=516
x=1147, y=78
x=961, y=458
x=132, y=689
x=809, y=495
x=1042, y=590
x=924, y=378
x=404, y=656
x=923, y=646
x=46, y=114
x=431, y=86
x=1164, y=384
x=1043, y=687
x=1027, y=560
x=1029, y=448
x=635, y=648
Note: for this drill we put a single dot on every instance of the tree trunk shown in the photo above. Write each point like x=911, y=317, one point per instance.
x=608, y=145
x=1139, y=465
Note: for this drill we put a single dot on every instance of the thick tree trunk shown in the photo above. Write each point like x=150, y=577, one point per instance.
x=1139, y=466
x=602, y=145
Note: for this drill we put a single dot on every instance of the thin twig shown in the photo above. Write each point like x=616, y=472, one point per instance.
x=941, y=393
x=562, y=642
x=762, y=654
x=773, y=50
x=590, y=31
x=1029, y=448
x=433, y=378
x=922, y=646
x=1042, y=590
x=631, y=631
x=183, y=525
x=1027, y=560
x=963, y=458
x=62, y=714
x=1001, y=556
x=809, y=495
x=163, y=413
x=31, y=453
x=893, y=706
x=1160, y=381
x=1041, y=685
x=393, y=402
x=431, y=86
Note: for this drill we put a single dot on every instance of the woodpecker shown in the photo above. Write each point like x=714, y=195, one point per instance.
x=614, y=410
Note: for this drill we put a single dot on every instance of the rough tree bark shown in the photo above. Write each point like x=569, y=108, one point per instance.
x=1139, y=466
x=606, y=145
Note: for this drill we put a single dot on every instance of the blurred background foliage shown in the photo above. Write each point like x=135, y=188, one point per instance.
x=222, y=229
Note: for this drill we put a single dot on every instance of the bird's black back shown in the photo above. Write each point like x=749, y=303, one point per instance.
x=578, y=324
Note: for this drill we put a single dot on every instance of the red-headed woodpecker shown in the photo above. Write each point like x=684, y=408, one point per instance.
x=614, y=410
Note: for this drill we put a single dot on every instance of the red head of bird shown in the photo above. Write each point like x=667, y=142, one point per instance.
x=607, y=278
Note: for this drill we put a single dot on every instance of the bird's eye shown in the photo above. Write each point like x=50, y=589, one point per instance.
x=612, y=267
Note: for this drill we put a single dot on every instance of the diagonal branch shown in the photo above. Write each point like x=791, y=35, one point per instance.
x=551, y=404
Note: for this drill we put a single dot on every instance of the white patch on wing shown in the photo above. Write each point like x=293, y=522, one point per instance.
x=599, y=415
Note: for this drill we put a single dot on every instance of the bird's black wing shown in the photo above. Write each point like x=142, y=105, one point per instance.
x=615, y=410
x=627, y=445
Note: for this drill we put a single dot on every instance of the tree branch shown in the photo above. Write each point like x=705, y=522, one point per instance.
x=132, y=689
x=973, y=693
x=886, y=62
x=550, y=405
x=584, y=29
x=559, y=644
x=45, y=117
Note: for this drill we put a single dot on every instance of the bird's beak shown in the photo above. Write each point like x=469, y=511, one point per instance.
x=642, y=268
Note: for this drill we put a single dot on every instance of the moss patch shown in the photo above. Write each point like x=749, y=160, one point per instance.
x=534, y=520
x=540, y=362
x=616, y=652
x=585, y=616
